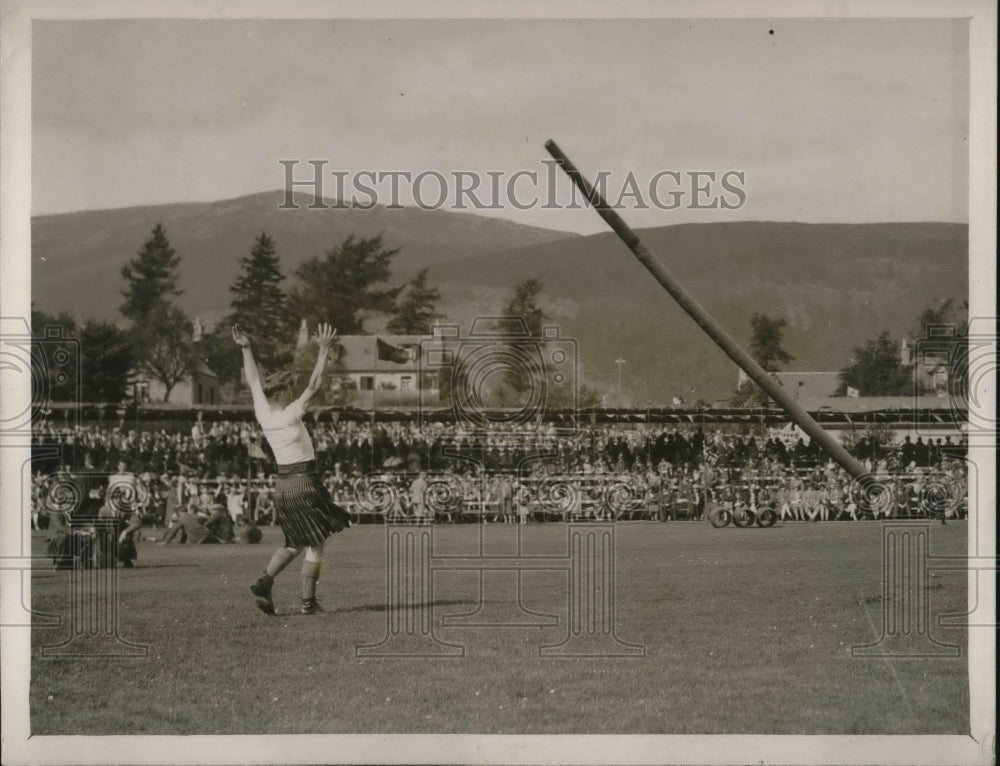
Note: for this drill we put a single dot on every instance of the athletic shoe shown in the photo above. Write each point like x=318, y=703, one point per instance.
x=262, y=590
x=311, y=606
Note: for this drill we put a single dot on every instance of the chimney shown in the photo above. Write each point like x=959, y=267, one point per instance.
x=303, y=337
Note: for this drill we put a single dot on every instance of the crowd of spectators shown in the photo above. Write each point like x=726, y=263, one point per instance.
x=214, y=481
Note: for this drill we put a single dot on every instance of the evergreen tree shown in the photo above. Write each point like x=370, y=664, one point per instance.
x=765, y=343
x=765, y=347
x=416, y=313
x=107, y=358
x=523, y=303
x=161, y=335
x=41, y=321
x=342, y=287
x=258, y=304
x=150, y=277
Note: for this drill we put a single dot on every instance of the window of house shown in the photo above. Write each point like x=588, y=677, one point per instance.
x=367, y=383
x=406, y=382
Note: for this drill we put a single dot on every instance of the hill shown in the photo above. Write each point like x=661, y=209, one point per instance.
x=837, y=284
x=90, y=247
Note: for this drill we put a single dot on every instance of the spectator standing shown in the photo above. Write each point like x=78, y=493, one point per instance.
x=418, y=489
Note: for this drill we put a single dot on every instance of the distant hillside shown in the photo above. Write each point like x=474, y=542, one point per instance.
x=88, y=249
x=837, y=284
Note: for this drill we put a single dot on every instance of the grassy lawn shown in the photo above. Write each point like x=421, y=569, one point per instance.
x=746, y=631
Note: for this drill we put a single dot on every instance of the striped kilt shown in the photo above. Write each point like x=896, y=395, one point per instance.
x=305, y=511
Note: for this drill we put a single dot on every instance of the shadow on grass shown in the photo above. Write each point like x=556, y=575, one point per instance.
x=384, y=607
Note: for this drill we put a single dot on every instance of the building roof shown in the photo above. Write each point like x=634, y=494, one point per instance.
x=203, y=369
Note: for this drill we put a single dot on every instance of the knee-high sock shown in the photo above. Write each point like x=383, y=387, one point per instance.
x=281, y=559
x=311, y=566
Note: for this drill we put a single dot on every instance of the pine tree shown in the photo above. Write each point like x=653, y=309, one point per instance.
x=343, y=286
x=766, y=349
x=523, y=304
x=107, y=357
x=151, y=276
x=765, y=345
x=258, y=304
x=161, y=334
x=416, y=313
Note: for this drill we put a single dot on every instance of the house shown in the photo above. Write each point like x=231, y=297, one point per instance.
x=199, y=386
x=383, y=369
x=931, y=363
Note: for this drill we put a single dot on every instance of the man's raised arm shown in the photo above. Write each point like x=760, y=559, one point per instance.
x=251, y=371
x=324, y=336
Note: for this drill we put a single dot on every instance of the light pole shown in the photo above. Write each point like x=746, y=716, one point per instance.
x=619, y=361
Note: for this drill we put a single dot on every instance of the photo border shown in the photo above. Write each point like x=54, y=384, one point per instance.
x=15, y=225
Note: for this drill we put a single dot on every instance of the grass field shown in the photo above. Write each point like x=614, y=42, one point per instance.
x=746, y=631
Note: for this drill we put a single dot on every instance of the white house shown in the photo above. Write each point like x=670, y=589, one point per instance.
x=383, y=368
x=199, y=386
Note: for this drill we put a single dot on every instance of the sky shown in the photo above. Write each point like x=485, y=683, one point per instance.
x=849, y=120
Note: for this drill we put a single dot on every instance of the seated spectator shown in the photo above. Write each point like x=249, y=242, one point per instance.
x=220, y=525
x=264, y=509
x=247, y=531
x=191, y=529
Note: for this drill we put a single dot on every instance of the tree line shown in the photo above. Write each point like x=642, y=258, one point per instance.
x=878, y=367
x=346, y=286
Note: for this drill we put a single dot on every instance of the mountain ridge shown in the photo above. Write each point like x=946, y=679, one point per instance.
x=836, y=284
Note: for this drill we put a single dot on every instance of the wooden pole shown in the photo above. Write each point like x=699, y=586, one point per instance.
x=708, y=323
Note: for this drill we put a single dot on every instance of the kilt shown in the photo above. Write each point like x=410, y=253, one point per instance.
x=305, y=511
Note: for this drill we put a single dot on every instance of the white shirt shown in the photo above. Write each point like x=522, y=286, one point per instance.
x=287, y=434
